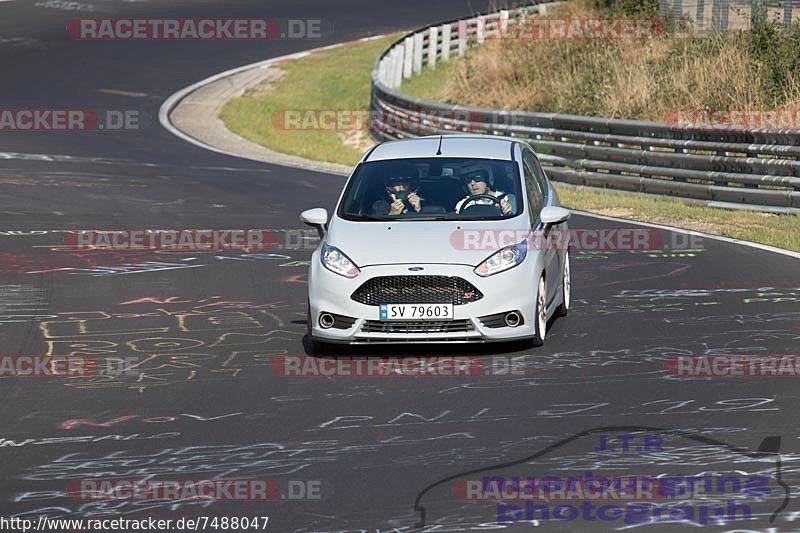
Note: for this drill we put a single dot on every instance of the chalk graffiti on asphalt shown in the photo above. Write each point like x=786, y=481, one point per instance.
x=105, y=263
x=205, y=342
x=560, y=410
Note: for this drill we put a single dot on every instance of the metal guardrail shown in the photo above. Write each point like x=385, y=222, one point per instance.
x=731, y=167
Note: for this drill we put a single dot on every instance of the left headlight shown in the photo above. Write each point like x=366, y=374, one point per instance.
x=336, y=261
x=503, y=259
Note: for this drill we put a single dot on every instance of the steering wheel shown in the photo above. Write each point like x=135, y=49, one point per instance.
x=473, y=200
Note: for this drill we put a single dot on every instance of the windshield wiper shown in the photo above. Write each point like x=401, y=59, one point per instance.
x=353, y=216
x=428, y=217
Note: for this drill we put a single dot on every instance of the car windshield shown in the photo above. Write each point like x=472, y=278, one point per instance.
x=433, y=189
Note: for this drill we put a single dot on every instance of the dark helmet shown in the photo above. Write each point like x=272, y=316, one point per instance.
x=401, y=173
x=478, y=172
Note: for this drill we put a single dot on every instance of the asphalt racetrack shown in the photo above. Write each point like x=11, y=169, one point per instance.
x=207, y=399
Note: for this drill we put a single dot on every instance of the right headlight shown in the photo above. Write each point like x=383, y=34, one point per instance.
x=502, y=260
x=336, y=261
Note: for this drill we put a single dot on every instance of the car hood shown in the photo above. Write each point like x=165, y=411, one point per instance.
x=381, y=243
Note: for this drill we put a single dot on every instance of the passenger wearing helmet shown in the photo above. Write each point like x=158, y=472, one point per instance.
x=402, y=184
x=478, y=180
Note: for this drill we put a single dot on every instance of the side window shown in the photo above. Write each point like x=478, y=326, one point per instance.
x=540, y=177
x=532, y=185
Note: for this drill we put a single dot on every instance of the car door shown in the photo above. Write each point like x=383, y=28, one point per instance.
x=536, y=199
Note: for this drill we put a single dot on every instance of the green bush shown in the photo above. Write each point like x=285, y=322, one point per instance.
x=777, y=54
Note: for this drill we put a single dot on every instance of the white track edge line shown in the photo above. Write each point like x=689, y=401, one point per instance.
x=759, y=246
x=173, y=100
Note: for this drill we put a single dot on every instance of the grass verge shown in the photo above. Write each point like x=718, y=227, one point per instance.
x=335, y=79
x=340, y=79
x=782, y=231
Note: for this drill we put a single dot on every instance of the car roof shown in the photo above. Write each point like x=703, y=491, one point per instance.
x=457, y=145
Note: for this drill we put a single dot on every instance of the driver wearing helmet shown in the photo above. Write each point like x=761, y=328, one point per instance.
x=402, y=184
x=479, y=180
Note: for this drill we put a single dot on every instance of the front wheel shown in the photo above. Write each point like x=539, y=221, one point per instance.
x=566, y=288
x=540, y=318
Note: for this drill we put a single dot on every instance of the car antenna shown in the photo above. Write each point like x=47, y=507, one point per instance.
x=439, y=151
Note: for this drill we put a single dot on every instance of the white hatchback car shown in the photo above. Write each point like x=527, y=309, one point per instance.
x=440, y=239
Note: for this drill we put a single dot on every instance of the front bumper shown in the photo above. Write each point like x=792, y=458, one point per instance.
x=513, y=290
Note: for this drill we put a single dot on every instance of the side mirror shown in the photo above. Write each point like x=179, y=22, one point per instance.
x=317, y=217
x=551, y=215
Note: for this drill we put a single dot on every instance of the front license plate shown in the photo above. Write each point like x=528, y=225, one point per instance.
x=416, y=311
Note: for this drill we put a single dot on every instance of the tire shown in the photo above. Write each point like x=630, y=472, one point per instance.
x=308, y=320
x=566, y=289
x=319, y=348
x=540, y=316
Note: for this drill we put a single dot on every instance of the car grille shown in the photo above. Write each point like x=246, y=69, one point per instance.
x=416, y=290
x=418, y=326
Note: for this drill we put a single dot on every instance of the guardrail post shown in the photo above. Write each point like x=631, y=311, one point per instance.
x=503, y=22
x=758, y=13
x=719, y=15
x=433, y=45
x=446, y=29
x=480, y=30
x=700, y=15
x=542, y=9
x=408, y=57
x=462, y=37
x=390, y=68
x=787, y=14
x=382, y=72
x=418, y=44
x=397, y=79
x=390, y=61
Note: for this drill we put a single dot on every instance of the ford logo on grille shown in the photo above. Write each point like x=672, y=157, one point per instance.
x=416, y=269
